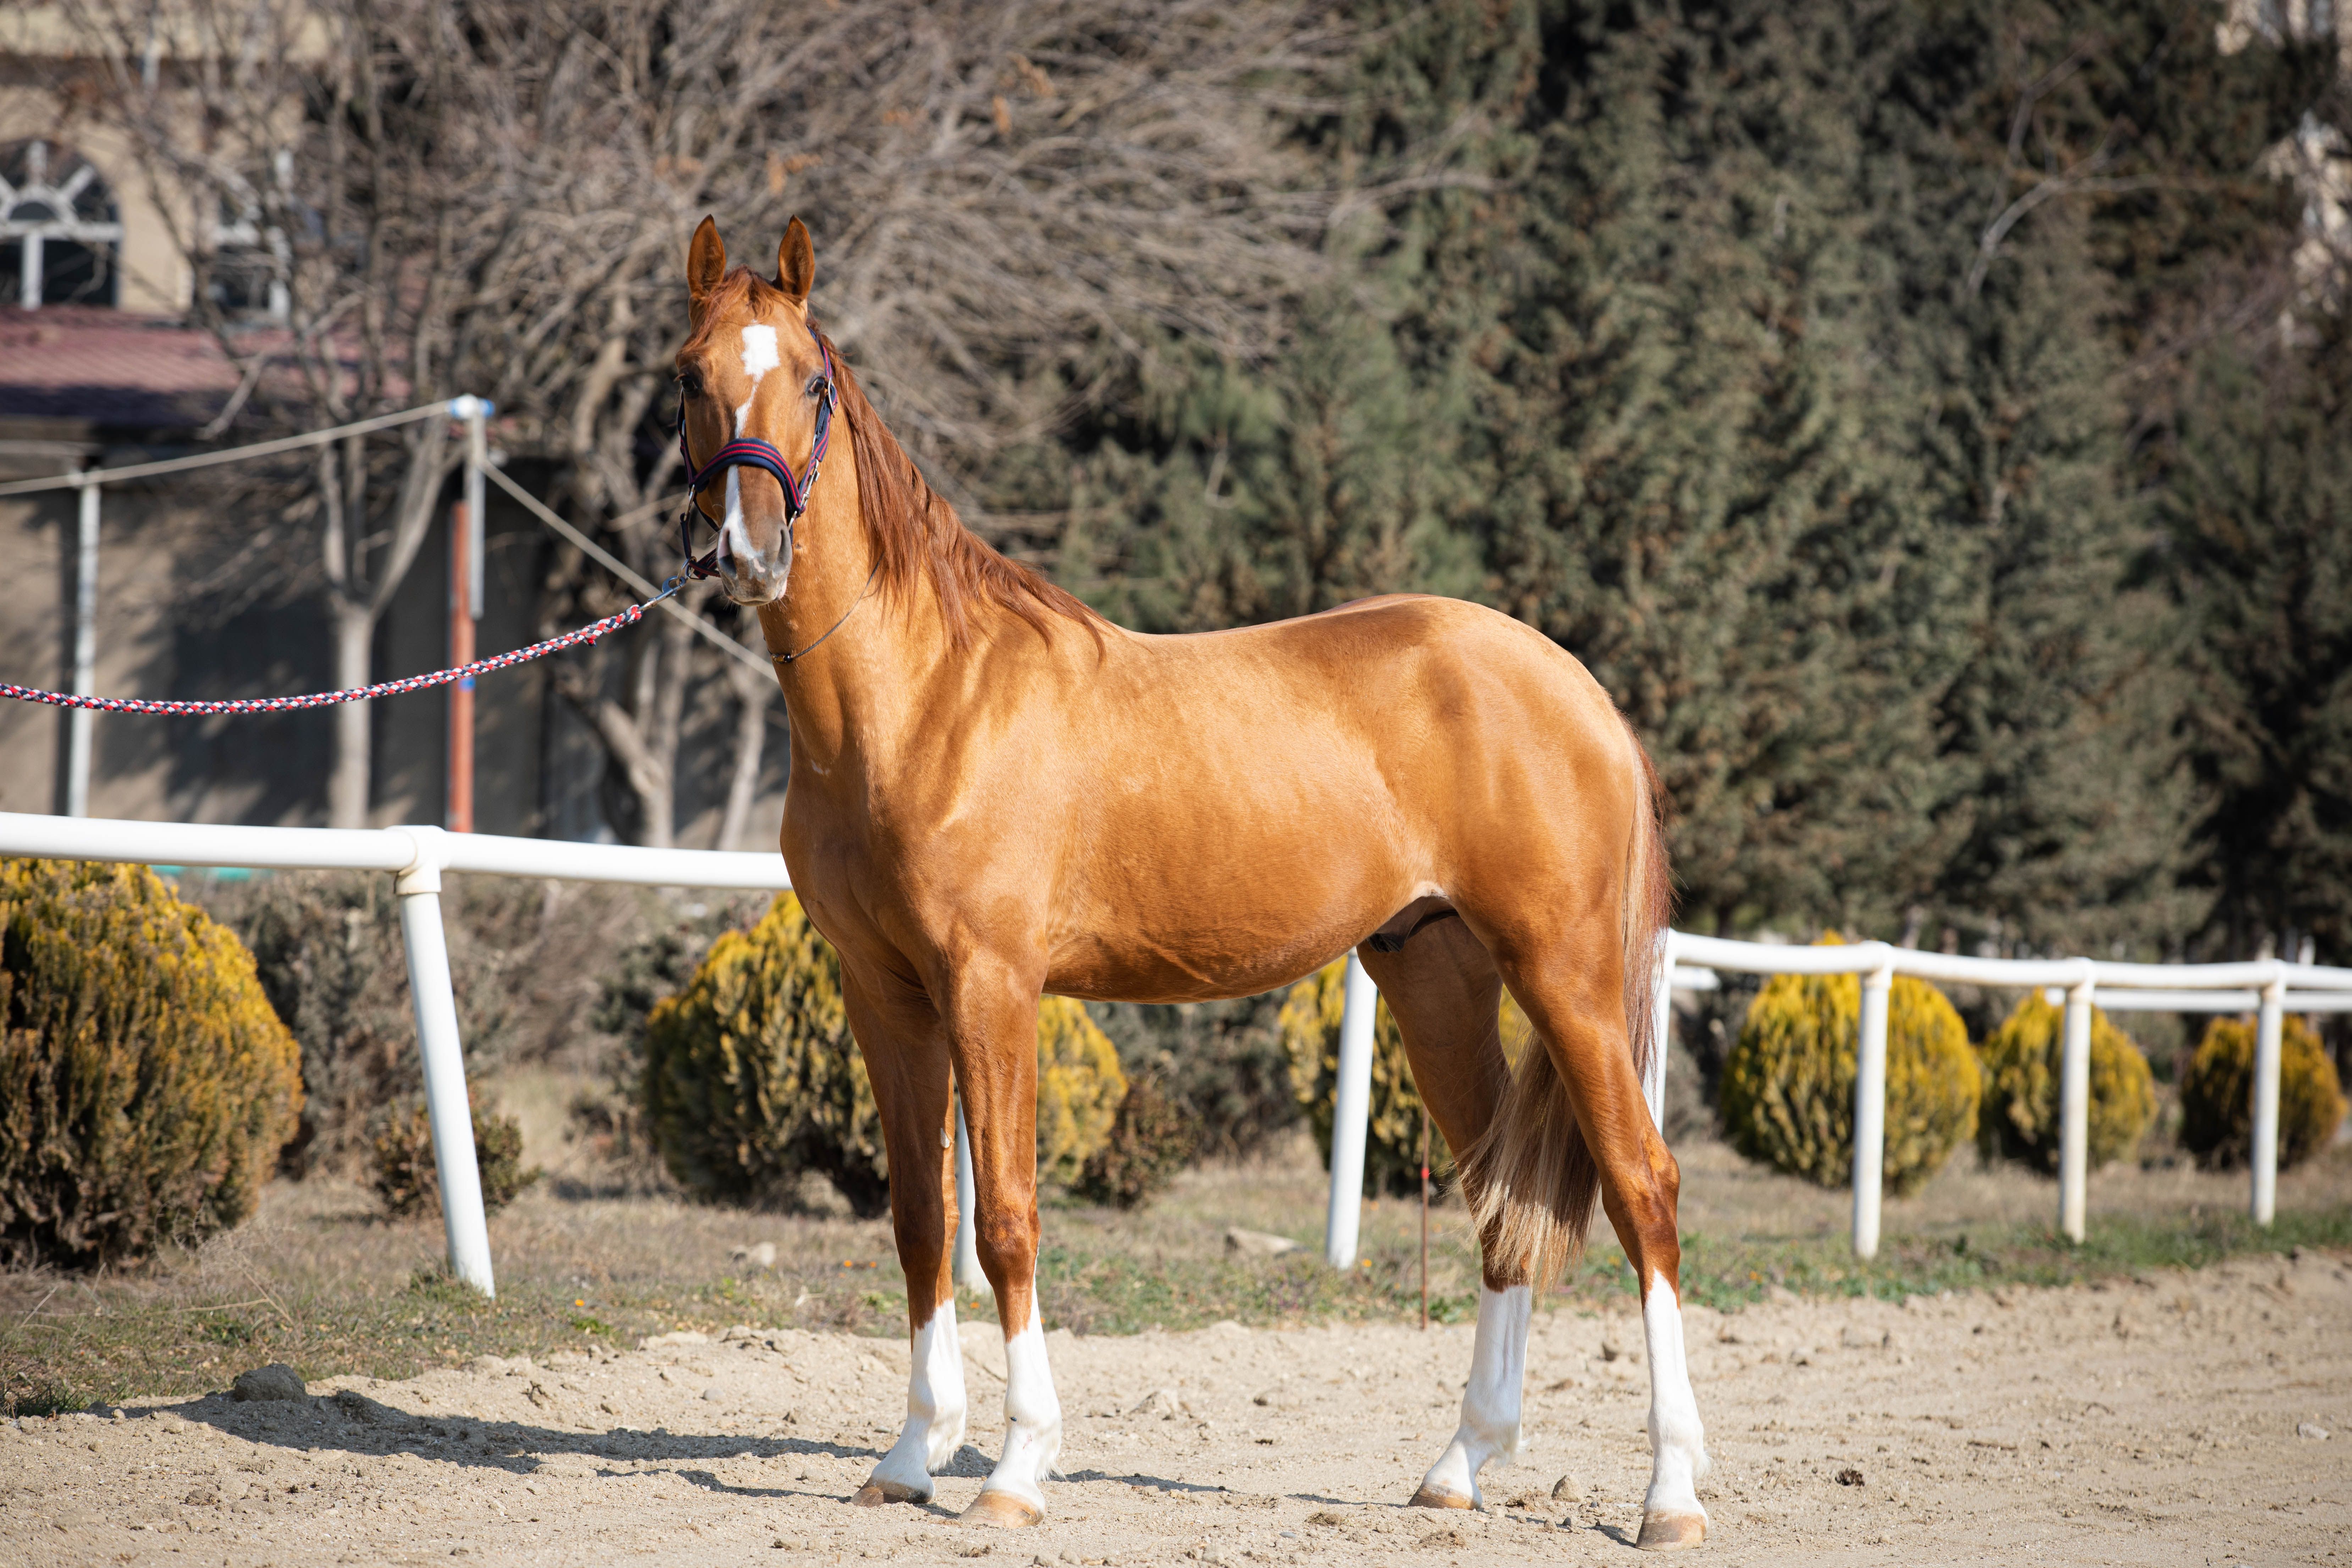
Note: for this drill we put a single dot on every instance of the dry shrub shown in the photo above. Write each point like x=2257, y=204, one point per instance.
x=2217, y=1095
x=2021, y=1062
x=1788, y=1084
x=403, y=1173
x=145, y=1084
x=1153, y=1137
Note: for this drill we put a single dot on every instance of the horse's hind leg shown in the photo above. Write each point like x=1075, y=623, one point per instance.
x=1576, y=999
x=1443, y=989
x=906, y=1060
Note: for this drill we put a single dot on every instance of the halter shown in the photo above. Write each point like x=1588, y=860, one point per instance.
x=751, y=452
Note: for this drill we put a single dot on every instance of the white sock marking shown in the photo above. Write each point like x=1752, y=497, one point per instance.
x=935, y=1408
x=1677, y=1442
x=1032, y=1417
x=1490, y=1404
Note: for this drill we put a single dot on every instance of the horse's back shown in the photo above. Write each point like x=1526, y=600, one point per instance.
x=1259, y=798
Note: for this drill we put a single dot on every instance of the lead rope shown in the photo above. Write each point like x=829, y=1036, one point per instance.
x=584, y=637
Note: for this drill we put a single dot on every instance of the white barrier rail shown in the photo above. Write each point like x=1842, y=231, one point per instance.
x=1689, y=963
x=416, y=857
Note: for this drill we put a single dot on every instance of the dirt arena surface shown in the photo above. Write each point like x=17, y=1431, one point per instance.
x=2168, y=1419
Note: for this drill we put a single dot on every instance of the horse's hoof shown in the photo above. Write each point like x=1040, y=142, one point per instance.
x=1432, y=1496
x=874, y=1494
x=1671, y=1531
x=1001, y=1510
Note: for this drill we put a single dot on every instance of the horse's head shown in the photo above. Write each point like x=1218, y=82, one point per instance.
x=753, y=373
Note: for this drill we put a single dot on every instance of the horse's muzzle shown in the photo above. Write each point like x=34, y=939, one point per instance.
x=753, y=578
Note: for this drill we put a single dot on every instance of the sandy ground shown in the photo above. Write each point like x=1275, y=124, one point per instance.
x=2170, y=1419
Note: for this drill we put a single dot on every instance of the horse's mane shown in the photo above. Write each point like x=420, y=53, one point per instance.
x=910, y=526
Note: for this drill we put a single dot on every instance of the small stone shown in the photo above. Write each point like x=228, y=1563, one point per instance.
x=1856, y=1338
x=276, y=1381
x=1258, y=1243
x=2312, y=1430
x=1568, y=1485
x=202, y=1496
x=714, y=1393
x=1160, y=1402
x=1849, y=1477
x=1610, y=1351
x=1801, y=1356
x=761, y=1254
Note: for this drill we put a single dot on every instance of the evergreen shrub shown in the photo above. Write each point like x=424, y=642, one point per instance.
x=2217, y=1095
x=1787, y=1083
x=145, y=1084
x=752, y=1076
x=2021, y=1062
x=401, y=1170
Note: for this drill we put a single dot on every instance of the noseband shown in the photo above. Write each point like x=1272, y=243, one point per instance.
x=750, y=452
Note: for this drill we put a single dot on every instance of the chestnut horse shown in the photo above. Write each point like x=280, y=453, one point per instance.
x=995, y=794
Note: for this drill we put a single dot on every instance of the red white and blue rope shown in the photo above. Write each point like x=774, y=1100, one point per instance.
x=581, y=638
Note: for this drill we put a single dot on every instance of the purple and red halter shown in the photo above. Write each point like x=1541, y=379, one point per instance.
x=751, y=452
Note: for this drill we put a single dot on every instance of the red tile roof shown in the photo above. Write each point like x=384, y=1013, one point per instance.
x=110, y=368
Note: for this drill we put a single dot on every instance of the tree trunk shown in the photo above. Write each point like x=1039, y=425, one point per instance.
x=753, y=691
x=348, y=780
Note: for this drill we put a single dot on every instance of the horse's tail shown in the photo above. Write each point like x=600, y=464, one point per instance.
x=1529, y=1179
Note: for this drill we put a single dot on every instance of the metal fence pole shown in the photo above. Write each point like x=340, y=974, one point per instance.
x=446, y=1099
x=2075, y=1112
x=2267, y=1037
x=1351, y=1111
x=1662, y=1020
x=967, y=1272
x=1869, y=1106
x=81, y=721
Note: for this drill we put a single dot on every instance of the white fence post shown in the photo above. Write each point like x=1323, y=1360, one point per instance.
x=2267, y=1037
x=967, y=1272
x=1351, y=1109
x=1662, y=1020
x=2074, y=1111
x=446, y=1099
x=1870, y=1103
x=81, y=721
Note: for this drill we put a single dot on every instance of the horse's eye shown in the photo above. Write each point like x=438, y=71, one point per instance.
x=816, y=385
x=690, y=385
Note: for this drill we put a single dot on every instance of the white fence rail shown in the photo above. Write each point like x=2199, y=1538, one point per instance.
x=416, y=857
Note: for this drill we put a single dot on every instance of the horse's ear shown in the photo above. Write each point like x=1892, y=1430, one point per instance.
x=705, y=265
x=796, y=263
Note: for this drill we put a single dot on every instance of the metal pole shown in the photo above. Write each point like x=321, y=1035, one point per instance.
x=1870, y=1107
x=2075, y=1112
x=80, y=721
x=446, y=1101
x=1425, y=1219
x=1351, y=1111
x=967, y=1272
x=2267, y=1038
x=1662, y=1020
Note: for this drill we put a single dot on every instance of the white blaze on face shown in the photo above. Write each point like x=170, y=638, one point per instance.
x=1490, y=1403
x=759, y=357
x=1677, y=1442
x=935, y=1408
x=1032, y=1417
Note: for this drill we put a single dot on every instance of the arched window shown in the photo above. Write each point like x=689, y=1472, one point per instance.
x=60, y=232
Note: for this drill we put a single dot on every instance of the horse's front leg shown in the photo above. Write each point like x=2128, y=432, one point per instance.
x=992, y=1021
x=906, y=1058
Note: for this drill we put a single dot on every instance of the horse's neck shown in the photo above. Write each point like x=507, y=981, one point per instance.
x=853, y=698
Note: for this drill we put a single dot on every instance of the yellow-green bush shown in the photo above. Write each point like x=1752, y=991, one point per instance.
x=407, y=1178
x=1787, y=1083
x=2021, y=1064
x=145, y=1084
x=752, y=1076
x=2217, y=1095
